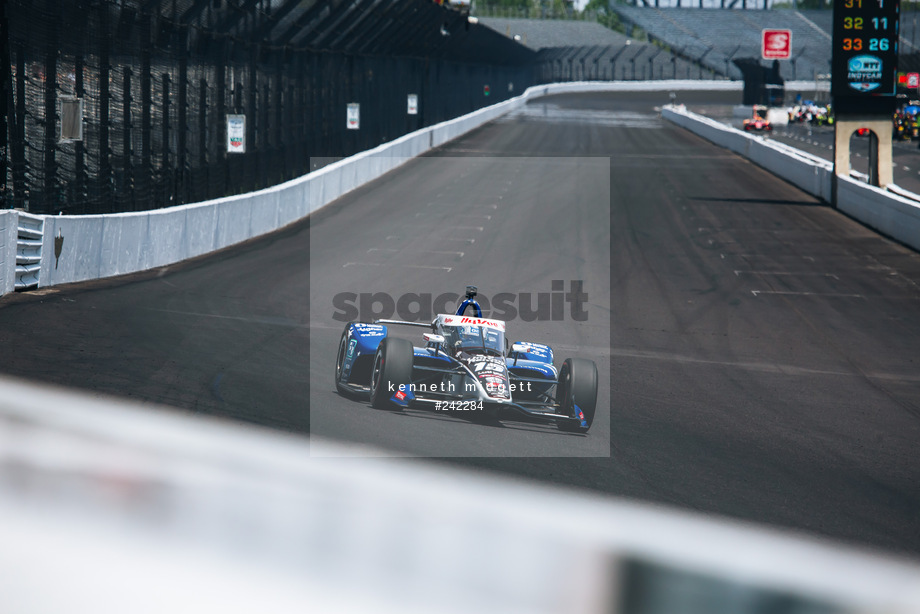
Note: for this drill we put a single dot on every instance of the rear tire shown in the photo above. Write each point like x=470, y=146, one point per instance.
x=392, y=364
x=577, y=386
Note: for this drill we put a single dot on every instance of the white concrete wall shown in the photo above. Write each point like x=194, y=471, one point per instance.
x=893, y=215
x=806, y=173
x=99, y=246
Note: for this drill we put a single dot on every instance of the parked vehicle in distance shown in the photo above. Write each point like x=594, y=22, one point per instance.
x=758, y=120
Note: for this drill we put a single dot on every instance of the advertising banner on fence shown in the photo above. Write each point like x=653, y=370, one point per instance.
x=236, y=134
x=353, y=116
x=413, y=104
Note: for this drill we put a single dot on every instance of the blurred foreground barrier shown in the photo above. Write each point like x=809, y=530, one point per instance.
x=108, y=507
x=893, y=212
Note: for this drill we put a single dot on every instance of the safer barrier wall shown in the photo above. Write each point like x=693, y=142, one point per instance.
x=894, y=215
x=96, y=246
x=890, y=213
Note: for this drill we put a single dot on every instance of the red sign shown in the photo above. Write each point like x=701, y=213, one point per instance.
x=913, y=79
x=777, y=45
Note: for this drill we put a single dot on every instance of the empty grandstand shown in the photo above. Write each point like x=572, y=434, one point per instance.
x=631, y=61
x=542, y=33
x=581, y=50
x=716, y=38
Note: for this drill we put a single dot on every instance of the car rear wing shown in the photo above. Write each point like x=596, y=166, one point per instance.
x=422, y=324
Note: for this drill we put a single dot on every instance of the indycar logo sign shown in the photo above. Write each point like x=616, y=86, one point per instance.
x=776, y=45
x=864, y=73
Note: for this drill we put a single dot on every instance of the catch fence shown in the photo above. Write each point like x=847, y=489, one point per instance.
x=123, y=105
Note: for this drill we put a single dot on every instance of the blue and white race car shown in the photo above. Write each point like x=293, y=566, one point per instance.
x=466, y=365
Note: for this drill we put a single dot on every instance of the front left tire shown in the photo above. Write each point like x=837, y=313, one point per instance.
x=392, y=365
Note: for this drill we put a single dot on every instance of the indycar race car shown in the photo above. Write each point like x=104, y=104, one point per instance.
x=467, y=366
x=758, y=120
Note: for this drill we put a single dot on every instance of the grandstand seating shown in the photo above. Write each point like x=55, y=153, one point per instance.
x=576, y=50
x=699, y=42
x=714, y=37
x=541, y=33
x=636, y=61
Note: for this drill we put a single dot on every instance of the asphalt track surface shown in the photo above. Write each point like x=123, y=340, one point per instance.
x=757, y=349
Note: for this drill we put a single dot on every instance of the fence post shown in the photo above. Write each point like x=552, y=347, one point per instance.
x=219, y=160
x=264, y=133
x=298, y=113
x=314, y=116
x=180, y=189
x=78, y=185
x=253, y=150
x=144, y=183
x=103, y=182
x=6, y=83
x=166, y=179
x=279, y=166
x=49, y=170
x=18, y=153
x=203, y=169
x=127, y=187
